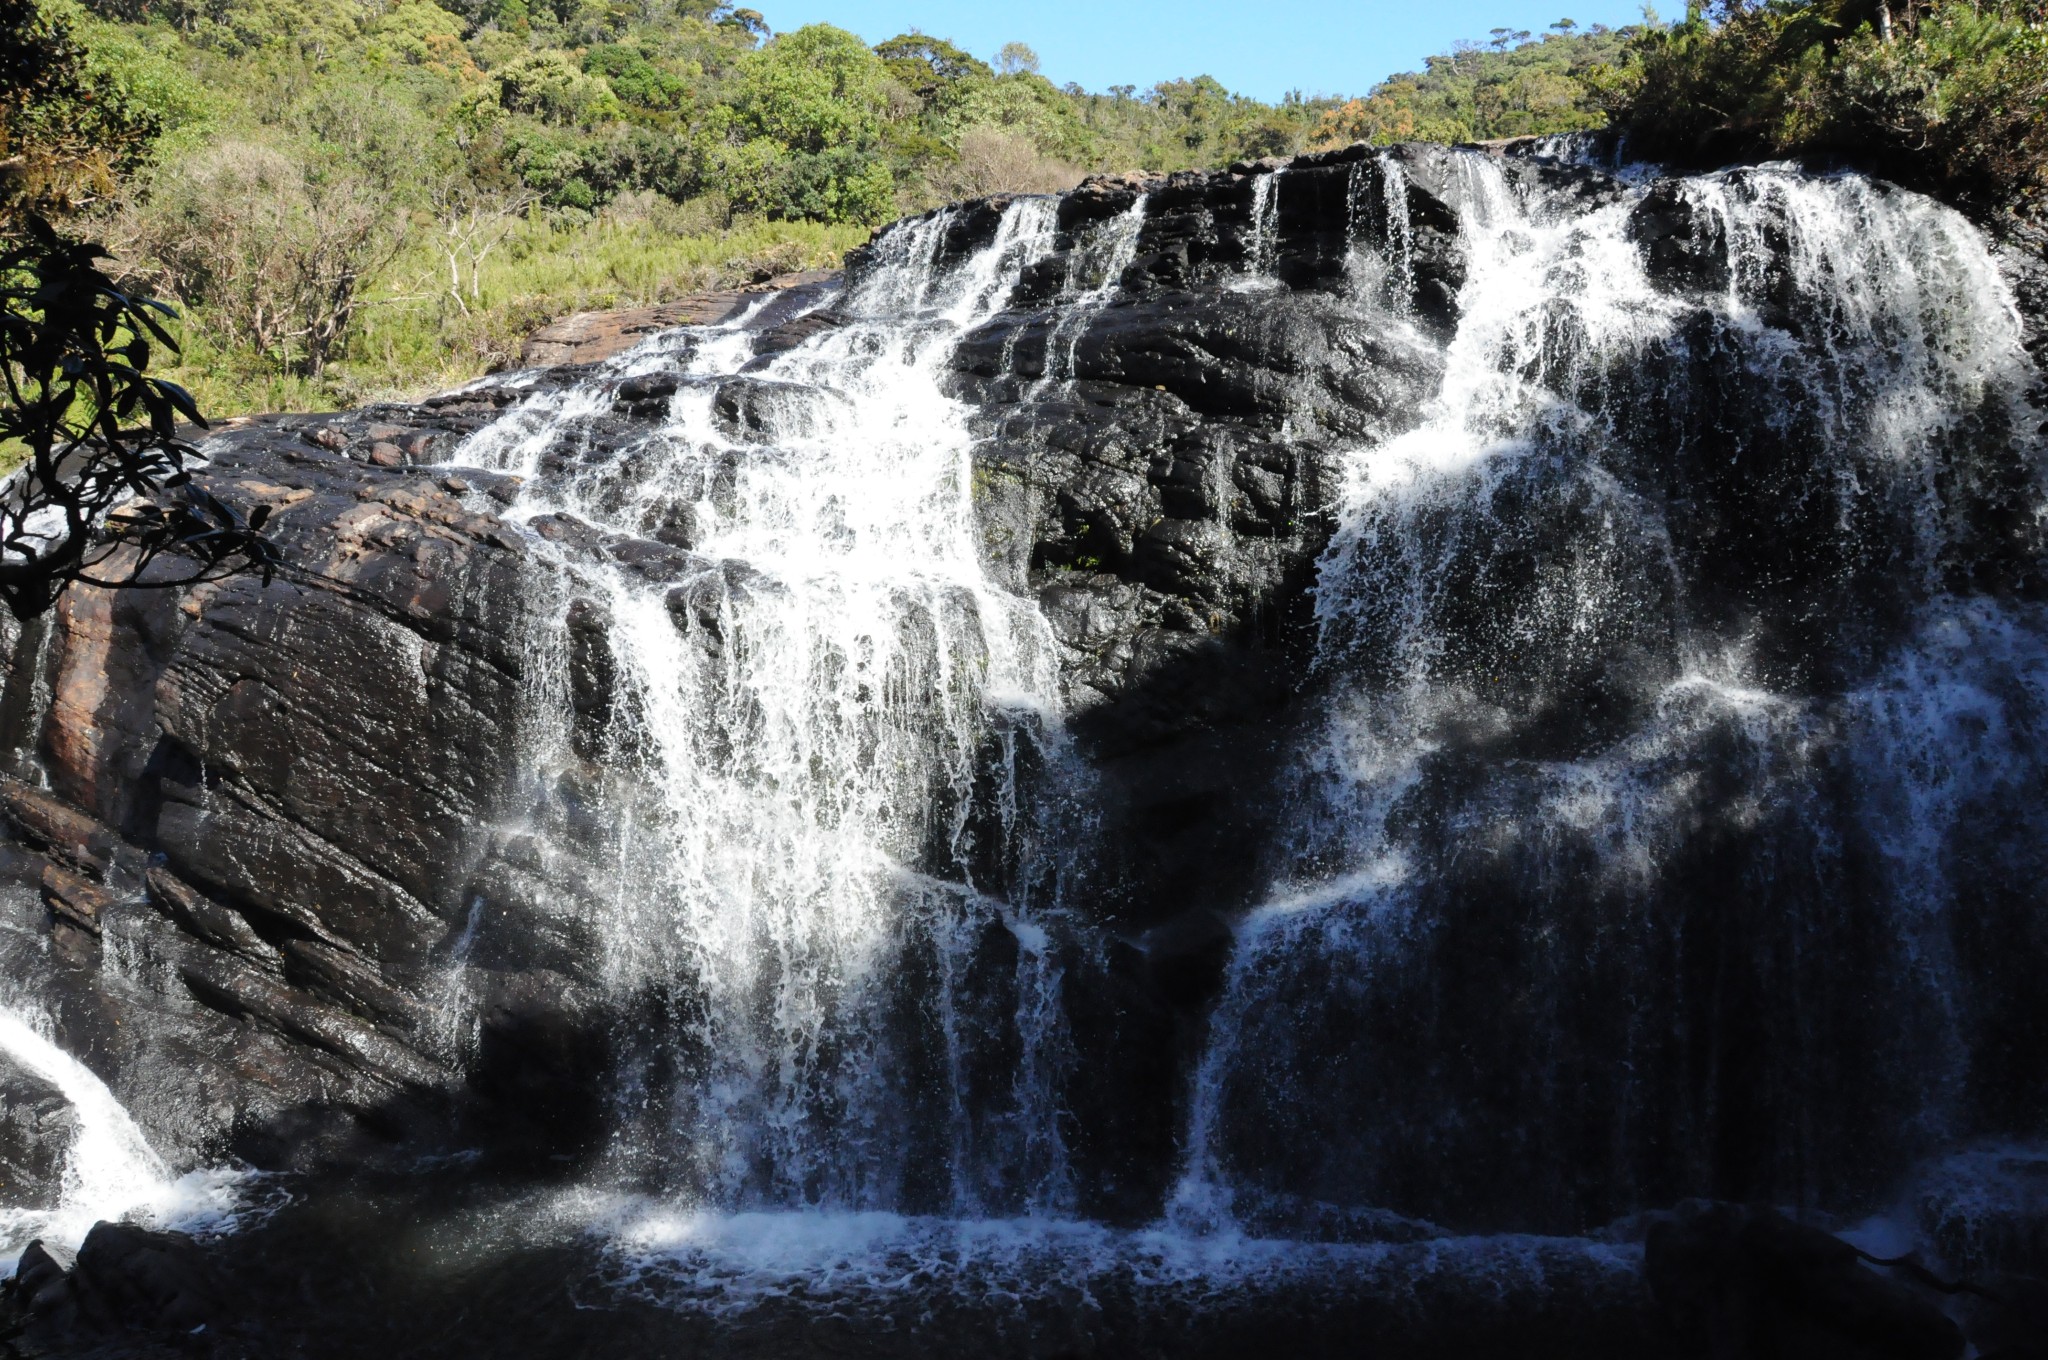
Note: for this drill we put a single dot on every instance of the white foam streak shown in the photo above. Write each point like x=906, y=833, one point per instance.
x=729, y=1265
x=809, y=703
x=110, y=1170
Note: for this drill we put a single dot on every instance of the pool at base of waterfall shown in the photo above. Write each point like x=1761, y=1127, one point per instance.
x=435, y=1266
x=731, y=1264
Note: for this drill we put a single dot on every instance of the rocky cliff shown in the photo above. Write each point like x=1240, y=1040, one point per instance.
x=352, y=868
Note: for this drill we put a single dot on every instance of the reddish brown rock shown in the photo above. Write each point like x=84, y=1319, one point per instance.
x=587, y=337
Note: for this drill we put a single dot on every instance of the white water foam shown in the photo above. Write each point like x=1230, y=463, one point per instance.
x=110, y=1171
x=729, y=1265
x=1907, y=332
x=807, y=706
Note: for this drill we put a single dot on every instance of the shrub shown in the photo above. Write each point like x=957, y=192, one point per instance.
x=635, y=79
x=550, y=86
x=1953, y=98
x=102, y=495
x=69, y=126
x=270, y=255
x=996, y=160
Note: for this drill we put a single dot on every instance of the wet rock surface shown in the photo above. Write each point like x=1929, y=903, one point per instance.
x=37, y=1128
x=262, y=796
x=1732, y=1283
x=587, y=337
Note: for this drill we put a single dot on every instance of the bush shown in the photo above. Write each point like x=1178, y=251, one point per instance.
x=1962, y=97
x=1030, y=106
x=635, y=79
x=996, y=160
x=552, y=88
x=1516, y=88
x=103, y=494
x=1953, y=99
x=269, y=255
x=70, y=126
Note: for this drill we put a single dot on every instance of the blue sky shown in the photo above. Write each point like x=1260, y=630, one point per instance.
x=1256, y=47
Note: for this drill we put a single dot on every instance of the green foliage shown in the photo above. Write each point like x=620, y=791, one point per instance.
x=72, y=120
x=356, y=197
x=811, y=90
x=931, y=69
x=104, y=496
x=634, y=78
x=422, y=34
x=1027, y=104
x=1017, y=58
x=1948, y=95
x=417, y=333
x=1517, y=87
x=273, y=254
x=553, y=88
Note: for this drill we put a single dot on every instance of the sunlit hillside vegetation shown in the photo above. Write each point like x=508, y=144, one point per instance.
x=354, y=198
x=1948, y=96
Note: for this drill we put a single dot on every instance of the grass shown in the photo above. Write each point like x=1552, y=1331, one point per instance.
x=414, y=336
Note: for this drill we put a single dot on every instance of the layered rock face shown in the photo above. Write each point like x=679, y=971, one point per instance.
x=277, y=887
x=1387, y=693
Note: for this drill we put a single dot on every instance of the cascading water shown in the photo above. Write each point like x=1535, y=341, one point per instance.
x=1265, y=232
x=1095, y=273
x=1602, y=811
x=819, y=704
x=1376, y=202
x=1568, y=743
x=110, y=1171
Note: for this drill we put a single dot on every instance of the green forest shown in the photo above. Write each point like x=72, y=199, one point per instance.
x=364, y=198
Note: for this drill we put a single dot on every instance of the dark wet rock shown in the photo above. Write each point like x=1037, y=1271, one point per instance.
x=40, y=1276
x=757, y=409
x=126, y=1281
x=37, y=1129
x=220, y=926
x=1186, y=956
x=273, y=783
x=586, y=337
x=74, y=899
x=1754, y=1284
x=1680, y=240
x=59, y=829
x=2022, y=252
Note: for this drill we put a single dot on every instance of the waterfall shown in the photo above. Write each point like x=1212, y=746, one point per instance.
x=818, y=700
x=1650, y=681
x=1096, y=271
x=110, y=1170
x=1558, y=669
x=1574, y=738
x=1376, y=204
x=1261, y=249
